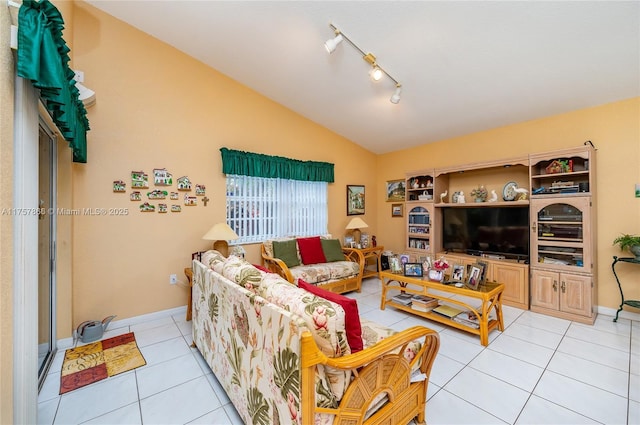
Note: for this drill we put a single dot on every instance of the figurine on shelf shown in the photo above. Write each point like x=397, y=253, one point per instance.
x=494, y=196
x=521, y=193
x=443, y=196
x=374, y=243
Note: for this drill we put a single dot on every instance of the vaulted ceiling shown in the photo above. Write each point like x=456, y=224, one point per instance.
x=464, y=66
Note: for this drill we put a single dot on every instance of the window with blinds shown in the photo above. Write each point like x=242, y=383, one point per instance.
x=260, y=208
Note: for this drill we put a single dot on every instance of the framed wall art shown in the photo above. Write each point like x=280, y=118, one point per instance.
x=396, y=210
x=395, y=190
x=355, y=199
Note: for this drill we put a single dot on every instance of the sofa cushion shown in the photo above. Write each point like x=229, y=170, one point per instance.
x=324, y=272
x=311, y=250
x=286, y=251
x=350, y=307
x=332, y=250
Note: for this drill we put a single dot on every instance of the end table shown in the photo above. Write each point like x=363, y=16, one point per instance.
x=373, y=252
x=623, y=302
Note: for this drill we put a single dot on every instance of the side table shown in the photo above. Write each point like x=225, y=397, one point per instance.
x=373, y=252
x=623, y=302
x=188, y=271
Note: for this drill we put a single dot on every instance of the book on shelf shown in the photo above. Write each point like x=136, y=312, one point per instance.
x=402, y=298
x=423, y=303
x=447, y=311
x=467, y=319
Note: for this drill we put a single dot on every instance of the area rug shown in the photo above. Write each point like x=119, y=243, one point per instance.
x=99, y=360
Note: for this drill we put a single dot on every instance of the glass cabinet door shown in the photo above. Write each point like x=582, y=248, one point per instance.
x=559, y=234
x=419, y=228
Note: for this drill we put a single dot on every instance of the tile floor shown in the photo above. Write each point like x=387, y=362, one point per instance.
x=540, y=370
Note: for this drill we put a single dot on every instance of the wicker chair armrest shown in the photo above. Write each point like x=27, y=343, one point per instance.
x=354, y=255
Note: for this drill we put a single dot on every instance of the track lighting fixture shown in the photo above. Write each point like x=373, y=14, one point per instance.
x=376, y=72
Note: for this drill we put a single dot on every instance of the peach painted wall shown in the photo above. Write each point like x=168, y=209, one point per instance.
x=159, y=108
x=615, y=131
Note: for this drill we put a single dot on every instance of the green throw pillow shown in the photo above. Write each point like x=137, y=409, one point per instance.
x=332, y=250
x=286, y=251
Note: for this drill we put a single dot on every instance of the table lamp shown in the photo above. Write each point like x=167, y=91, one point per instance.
x=356, y=224
x=221, y=233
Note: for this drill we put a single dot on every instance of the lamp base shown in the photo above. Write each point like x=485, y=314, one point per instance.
x=222, y=247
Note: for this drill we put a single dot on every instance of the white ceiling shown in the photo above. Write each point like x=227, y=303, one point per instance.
x=464, y=66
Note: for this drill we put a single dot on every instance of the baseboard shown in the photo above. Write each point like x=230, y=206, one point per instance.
x=623, y=314
x=68, y=342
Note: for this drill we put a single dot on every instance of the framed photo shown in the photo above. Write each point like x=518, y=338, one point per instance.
x=427, y=262
x=483, y=268
x=413, y=269
x=395, y=190
x=473, y=277
x=355, y=199
x=396, y=210
x=404, y=258
x=457, y=273
x=394, y=265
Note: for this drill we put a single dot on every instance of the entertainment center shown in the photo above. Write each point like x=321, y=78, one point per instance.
x=535, y=228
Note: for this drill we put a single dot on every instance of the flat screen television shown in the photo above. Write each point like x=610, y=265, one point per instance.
x=500, y=231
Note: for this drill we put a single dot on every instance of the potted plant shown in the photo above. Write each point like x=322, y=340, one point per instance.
x=630, y=243
x=479, y=193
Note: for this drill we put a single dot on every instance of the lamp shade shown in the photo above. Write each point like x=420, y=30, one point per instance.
x=220, y=232
x=356, y=223
x=332, y=43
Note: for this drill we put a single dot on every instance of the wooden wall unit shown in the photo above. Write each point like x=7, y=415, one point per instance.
x=560, y=279
x=563, y=234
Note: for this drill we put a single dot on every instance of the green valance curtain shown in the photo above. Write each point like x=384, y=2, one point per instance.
x=43, y=58
x=275, y=167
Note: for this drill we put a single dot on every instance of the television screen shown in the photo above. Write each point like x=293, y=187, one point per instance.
x=487, y=230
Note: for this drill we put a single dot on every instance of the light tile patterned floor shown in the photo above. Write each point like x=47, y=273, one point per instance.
x=540, y=370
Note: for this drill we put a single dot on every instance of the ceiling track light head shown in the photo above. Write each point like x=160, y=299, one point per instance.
x=395, y=98
x=332, y=43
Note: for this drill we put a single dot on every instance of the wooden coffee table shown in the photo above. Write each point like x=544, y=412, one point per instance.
x=489, y=295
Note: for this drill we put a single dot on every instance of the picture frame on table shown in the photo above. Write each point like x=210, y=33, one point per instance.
x=413, y=269
x=474, y=275
x=405, y=258
x=397, y=210
x=396, y=190
x=457, y=272
x=355, y=199
x=394, y=265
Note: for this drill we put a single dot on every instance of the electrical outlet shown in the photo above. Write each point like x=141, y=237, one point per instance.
x=173, y=279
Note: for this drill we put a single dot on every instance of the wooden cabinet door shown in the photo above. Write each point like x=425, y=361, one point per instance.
x=515, y=282
x=544, y=289
x=575, y=294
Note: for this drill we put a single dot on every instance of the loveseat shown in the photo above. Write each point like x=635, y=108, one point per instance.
x=321, y=261
x=284, y=355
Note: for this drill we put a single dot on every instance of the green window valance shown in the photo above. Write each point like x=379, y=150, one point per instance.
x=275, y=167
x=43, y=58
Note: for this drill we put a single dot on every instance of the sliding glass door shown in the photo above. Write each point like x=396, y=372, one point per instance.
x=46, y=251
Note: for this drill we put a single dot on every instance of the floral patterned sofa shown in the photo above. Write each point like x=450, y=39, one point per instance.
x=317, y=260
x=283, y=357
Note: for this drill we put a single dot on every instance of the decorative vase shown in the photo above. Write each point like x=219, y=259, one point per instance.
x=635, y=250
x=479, y=200
x=436, y=275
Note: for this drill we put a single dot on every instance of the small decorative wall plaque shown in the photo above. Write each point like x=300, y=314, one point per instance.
x=174, y=196
x=135, y=196
x=190, y=200
x=184, y=183
x=161, y=177
x=162, y=208
x=176, y=208
x=200, y=190
x=157, y=194
x=119, y=186
x=139, y=179
x=147, y=207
